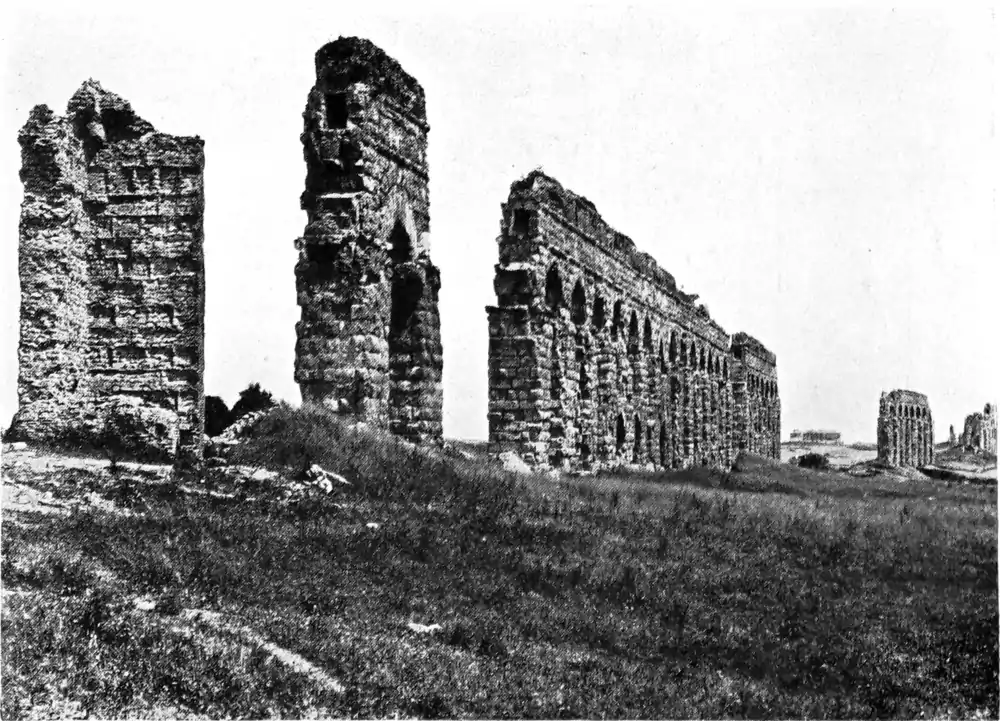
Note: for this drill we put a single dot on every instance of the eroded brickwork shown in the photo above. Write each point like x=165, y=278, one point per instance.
x=981, y=430
x=112, y=276
x=369, y=340
x=905, y=429
x=597, y=358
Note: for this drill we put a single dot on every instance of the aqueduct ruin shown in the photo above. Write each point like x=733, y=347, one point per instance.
x=369, y=341
x=112, y=277
x=905, y=429
x=980, y=431
x=596, y=357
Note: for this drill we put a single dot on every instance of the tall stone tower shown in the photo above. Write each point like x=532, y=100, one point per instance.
x=369, y=341
x=905, y=429
x=112, y=278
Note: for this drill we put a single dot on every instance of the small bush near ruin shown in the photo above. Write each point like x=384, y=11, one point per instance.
x=768, y=591
x=815, y=461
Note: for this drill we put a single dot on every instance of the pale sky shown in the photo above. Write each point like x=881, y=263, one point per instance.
x=824, y=179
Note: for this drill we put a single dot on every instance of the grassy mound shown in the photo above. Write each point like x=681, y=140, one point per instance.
x=769, y=591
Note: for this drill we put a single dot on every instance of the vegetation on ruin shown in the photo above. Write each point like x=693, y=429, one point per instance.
x=770, y=591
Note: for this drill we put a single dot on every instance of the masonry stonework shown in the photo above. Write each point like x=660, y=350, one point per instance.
x=597, y=358
x=369, y=341
x=112, y=276
x=905, y=429
x=980, y=431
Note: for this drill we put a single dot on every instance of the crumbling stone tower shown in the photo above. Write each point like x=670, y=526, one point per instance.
x=597, y=358
x=905, y=429
x=369, y=341
x=112, y=277
x=980, y=430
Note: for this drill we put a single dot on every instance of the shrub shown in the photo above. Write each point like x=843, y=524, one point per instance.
x=816, y=461
x=218, y=417
x=252, y=398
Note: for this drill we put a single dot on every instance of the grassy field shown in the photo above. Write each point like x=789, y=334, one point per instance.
x=767, y=592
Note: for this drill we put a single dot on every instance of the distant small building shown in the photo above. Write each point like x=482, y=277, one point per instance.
x=811, y=436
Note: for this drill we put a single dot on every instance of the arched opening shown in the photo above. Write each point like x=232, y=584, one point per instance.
x=616, y=320
x=637, y=440
x=406, y=293
x=675, y=390
x=693, y=358
x=725, y=369
x=672, y=353
x=578, y=309
x=663, y=444
x=400, y=245
x=553, y=288
x=620, y=434
x=555, y=379
x=598, y=319
x=581, y=359
x=701, y=362
x=633, y=333
x=684, y=353
x=647, y=335
x=650, y=451
x=663, y=362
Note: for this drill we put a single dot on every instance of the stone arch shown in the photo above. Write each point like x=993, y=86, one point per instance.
x=725, y=368
x=693, y=358
x=616, y=320
x=633, y=331
x=701, y=361
x=663, y=362
x=637, y=440
x=578, y=304
x=599, y=316
x=620, y=433
x=673, y=348
x=553, y=288
x=647, y=334
x=400, y=244
x=663, y=443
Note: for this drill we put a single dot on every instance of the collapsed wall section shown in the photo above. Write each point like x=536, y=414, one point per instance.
x=369, y=339
x=596, y=357
x=980, y=430
x=112, y=278
x=905, y=429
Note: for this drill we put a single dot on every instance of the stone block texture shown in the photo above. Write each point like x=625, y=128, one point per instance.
x=905, y=429
x=112, y=275
x=597, y=358
x=980, y=432
x=369, y=339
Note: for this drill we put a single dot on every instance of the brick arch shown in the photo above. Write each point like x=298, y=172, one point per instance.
x=554, y=288
x=578, y=303
x=599, y=315
x=616, y=318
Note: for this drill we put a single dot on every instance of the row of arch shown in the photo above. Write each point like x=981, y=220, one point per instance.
x=673, y=350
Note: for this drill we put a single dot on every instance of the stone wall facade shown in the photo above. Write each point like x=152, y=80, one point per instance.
x=905, y=429
x=981, y=430
x=369, y=339
x=812, y=436
x=597, y=358
x=112, y=276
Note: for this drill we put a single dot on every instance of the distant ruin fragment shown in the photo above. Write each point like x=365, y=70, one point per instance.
x=112, y=277
x=980, y=431
x=905, y=429
x=597, y=358
x=369, y=341
x=815, y=436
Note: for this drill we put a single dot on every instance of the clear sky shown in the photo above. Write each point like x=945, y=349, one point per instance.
x=824, y=179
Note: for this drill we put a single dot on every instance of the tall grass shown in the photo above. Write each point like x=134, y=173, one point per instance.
x=771, y=591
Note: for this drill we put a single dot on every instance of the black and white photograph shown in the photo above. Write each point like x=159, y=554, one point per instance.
x=538, y=360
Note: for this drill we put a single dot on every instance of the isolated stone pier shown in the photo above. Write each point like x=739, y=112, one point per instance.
x=112, y=277
x=905, y=429
x=369, y=341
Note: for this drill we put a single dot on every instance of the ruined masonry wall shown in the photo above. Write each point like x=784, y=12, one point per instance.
x=980, y=430
x=597, y=358
x=905, y=429
x=112, y=276
x=369, y=340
